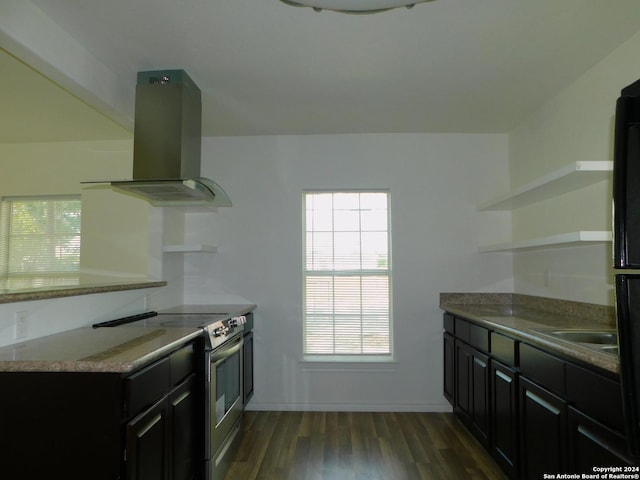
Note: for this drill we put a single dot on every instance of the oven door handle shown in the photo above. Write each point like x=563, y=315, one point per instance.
x=225, y=352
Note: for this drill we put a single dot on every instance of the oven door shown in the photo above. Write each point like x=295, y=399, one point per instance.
x=225, y=395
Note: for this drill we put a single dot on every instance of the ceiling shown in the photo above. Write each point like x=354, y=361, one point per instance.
x=266, y=68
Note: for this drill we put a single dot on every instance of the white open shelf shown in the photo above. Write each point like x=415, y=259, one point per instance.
x=582, y=237
x=572, y=177
x=190, y=248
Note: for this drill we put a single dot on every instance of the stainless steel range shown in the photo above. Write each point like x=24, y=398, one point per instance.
x=222, y=377
x=223, y=385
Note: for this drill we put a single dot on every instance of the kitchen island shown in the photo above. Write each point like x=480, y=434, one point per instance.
x=110, y=403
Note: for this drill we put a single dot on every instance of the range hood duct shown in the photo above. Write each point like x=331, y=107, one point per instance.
x=167, y=143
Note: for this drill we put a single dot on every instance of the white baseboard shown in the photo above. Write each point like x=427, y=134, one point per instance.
x=330, y=407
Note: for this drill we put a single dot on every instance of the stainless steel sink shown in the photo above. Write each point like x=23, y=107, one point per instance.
x=599, y=337
x=610, y=349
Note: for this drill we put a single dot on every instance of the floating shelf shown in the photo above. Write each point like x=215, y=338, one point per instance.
x=570, y=239
x=572, y=177
x=199, y=248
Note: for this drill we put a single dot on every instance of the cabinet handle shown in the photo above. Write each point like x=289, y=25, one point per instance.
x=543, y=402
x=150, y=425
x=584, y=431
x=504, y=377
x=180, y=398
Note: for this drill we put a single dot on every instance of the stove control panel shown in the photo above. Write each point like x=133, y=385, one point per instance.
x=237, y=321
x=227, y=326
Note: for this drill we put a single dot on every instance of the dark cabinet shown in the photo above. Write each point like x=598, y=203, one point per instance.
x=148, y=443
x=103, y=425
x=480, y=395
x=504, y=417
x=162, y=440
x=463, y=358
x=472, y=388
x=184, y=413
x=449, y=367
x=543, y=427
x=592, y=444
x=536, y=411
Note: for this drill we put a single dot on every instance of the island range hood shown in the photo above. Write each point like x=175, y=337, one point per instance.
x=167, y=143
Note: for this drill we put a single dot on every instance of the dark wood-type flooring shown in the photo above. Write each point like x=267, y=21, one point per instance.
x=358, y=446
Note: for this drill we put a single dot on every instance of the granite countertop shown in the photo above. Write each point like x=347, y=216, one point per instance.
x=43, y=293
x=116, y=349
x=94, y=350
x=530, y=319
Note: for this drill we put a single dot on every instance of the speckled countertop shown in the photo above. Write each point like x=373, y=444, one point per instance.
x=117, y=349
x=44, y=293
x=530, y=319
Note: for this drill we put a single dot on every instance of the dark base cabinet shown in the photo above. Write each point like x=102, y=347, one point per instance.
x=463, y=358
x=49, y=424
x=504, y=417
x=535, y=411
x=147, y=442
x=592, y=444
x=449, y=368
x=184, y=409
x=103, y=426
x=472, y=389
x=543, y=430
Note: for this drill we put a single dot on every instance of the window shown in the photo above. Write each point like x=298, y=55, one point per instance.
x=39, y=241
x=347, y=273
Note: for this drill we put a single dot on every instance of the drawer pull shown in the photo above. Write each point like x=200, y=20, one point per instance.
x=543, y=402
x=150, y=425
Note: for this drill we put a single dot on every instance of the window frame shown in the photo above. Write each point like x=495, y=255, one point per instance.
x=357, y=358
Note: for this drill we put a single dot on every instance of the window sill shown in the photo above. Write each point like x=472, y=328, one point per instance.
x=348, y=363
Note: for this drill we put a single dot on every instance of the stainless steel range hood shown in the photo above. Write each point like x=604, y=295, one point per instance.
x=166, y=144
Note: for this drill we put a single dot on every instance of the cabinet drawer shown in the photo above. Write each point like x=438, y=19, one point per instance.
x=591, y=443
x=182, y=363
x=462, y=329
x=147, y=386
x=504, y=349
x=597, y=396
x=547, y=369
x=479, y=337
x=447, y=323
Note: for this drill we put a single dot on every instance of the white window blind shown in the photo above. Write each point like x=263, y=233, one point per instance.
x=39, y=240
x=347, y=274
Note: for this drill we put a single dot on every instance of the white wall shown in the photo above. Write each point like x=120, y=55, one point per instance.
x=575, y=125
x=122, y=237
x=435, y=183
x=55, y=168
x=46, y=317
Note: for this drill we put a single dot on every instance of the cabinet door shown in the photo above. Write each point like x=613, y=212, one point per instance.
x=504, y=417
x=186, y=454
x=248, y=367
x=592, y=444
x=147, y=444
x=543, y=427
x=463, y=359
x=472, y=388
x=480, y=395
x=449, y=368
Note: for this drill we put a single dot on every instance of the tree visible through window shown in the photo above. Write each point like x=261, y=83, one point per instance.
x=347, y=274
x=39, y=241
